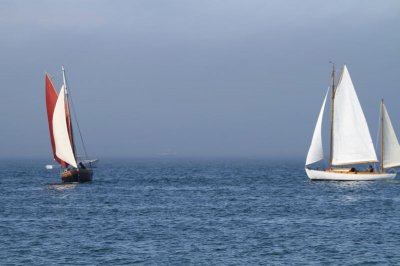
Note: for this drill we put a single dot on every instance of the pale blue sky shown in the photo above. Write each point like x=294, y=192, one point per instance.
x=195, y=78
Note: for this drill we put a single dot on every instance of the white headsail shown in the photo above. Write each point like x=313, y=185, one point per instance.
x=61, y=137
x=391, y=148
x=316, y=152
x=352, y=141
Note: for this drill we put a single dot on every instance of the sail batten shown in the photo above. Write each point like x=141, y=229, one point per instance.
x=316, y=152
x=391, y=148
x=63, y=145
x=352, y=141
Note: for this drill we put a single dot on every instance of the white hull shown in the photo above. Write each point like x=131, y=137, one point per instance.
x=340, y=176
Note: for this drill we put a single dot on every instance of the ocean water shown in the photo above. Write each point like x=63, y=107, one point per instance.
x=195, y=212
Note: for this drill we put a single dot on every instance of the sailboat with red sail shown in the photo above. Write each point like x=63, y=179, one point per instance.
x=61, y=133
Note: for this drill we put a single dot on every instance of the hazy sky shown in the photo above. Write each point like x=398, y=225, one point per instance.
x=195, y=78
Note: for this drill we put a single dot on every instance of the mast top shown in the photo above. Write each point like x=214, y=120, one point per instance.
x=64, y=79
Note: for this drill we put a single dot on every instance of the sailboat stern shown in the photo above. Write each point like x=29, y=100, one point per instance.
x=336, y=175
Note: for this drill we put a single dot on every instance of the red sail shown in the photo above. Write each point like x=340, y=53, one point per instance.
x=51, y=99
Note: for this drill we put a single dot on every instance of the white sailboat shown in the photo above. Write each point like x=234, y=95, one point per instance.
x=350, y=140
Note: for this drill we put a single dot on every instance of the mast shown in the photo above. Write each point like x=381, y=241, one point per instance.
x=382, y=136
x=332, y=114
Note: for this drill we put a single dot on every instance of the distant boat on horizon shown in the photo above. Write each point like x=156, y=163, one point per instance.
x=61, y=134
x=350, y=139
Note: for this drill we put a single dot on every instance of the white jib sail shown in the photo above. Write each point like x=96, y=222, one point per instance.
x=316, y=152
x=60, y=131
x=352, y=141
x=391, y=148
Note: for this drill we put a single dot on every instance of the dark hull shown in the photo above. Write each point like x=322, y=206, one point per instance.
x=77, y=175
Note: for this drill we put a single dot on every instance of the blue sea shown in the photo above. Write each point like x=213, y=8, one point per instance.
x=195, y=212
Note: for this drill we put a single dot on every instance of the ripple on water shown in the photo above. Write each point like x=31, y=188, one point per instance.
x=245, y=212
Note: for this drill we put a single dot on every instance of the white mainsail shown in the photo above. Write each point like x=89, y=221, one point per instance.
x=316, y=152
x=61, y=137
x=352, y=141
x=391, y=148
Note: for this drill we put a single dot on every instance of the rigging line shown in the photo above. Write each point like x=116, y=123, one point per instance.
x=79, y=129
x=76, y=119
